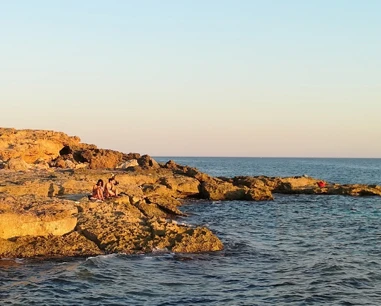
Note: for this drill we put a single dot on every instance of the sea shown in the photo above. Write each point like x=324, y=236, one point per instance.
x=295, y=250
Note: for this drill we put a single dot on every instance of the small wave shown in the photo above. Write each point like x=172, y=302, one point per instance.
x=100, y=259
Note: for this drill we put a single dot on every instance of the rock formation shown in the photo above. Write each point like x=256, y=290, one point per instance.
x=45, y=178
x=32, y=145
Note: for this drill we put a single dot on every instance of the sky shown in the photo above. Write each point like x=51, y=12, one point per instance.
x=270, y=78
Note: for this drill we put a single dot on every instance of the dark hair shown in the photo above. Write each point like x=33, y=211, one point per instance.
x=100, y=181
x=113, y=179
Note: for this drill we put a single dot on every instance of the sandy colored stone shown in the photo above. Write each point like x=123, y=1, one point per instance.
x=26, y=217
x=31, y=145
x=72, y=244
x=184, y=186
x=17, y=164
x=219, y=190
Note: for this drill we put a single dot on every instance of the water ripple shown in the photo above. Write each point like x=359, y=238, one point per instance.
x=292, y=251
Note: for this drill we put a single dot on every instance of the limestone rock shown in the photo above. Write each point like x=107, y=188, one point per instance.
x=72, y=244
x=157, y=189
x=30, y=145
x=184, y=239
x=102, y=159
x=17, y=164
x=167, y=204
x=28, y=217
x=259, y=194
x=124, y=227
x=133, y=156
x=218, y=190
x=115, y=228
x=151, y=209
x=128, y=164
x=147, y=161
x=183, y=185
x=188, y=171
x=197, y=240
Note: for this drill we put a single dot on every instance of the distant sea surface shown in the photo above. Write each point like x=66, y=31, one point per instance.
x=295, y=250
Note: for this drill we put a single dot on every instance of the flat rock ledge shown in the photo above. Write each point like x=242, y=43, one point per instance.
x=41, y=227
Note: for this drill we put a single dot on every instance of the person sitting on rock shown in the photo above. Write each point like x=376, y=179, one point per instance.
x=97, y=191
x=110, y=188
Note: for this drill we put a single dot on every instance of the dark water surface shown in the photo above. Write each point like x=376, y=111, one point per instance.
x=295, y=250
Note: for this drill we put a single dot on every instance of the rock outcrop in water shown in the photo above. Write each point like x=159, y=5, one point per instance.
x=45, y=178
x=304, y=185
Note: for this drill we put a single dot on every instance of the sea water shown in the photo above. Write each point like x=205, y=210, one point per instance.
x=295, y=250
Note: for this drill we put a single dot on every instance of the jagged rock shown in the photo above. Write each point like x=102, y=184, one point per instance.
x=66, y=150
x=128, y=164
x=151, y=209
x=31, y=145
x=17, y=164
x=124, y=227
x=69, y=164
x=259, y=194
x=138, y=221
x=157, y=189
x=183, y=185
x=147, y=161
x=40, y=164
x=183, y=239
x=72, y=244
x=102, y=159
x=219, y=190
x=133, y=156
x=188, y=171
x=197, y=240
x=166, y=204
x=171, y=165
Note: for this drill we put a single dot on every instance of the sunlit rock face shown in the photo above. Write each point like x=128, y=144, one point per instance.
x=31, y=216
x=46, y=177
x=33, y=145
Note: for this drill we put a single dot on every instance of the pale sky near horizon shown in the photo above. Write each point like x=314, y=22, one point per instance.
x=197, y=78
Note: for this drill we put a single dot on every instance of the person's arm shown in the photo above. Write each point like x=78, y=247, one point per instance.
x=99, y=193
x=95, y=190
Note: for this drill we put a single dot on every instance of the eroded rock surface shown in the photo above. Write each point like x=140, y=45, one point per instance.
x=46, y=176
x=32, y=145
x=30, y=216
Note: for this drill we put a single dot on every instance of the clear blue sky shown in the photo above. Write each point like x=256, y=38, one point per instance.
x=197, y=78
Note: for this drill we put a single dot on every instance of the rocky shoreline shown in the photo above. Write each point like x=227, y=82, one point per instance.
x=45, y=177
